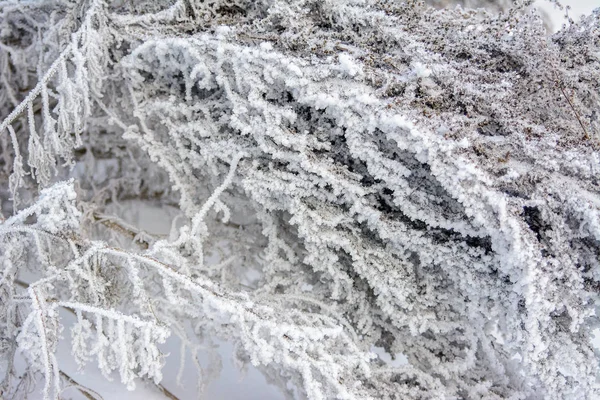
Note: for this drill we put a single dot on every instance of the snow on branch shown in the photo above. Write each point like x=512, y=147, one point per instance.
x=339, y=176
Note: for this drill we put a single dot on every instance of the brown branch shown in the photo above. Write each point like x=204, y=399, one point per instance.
x=123, y=230
x=562, y=89
x=166, y=392
x=87, y=392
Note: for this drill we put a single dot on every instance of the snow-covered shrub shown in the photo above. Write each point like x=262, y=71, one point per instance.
x=394, y=175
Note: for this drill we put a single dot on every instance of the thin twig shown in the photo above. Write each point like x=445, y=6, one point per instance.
x=87, y=392
x=166, y=392
x=560, y=86
x=128, y=231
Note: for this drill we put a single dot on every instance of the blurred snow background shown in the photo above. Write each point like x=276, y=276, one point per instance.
x=578, y=8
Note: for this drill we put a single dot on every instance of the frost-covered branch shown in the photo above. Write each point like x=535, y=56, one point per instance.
x=341, y=176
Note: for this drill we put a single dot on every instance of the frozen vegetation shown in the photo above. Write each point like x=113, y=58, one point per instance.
x=368, y=199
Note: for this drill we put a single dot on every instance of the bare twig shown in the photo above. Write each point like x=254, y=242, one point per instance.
x=166, y=392
x=129, y=231
x=87, y=392
x=562, y=89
